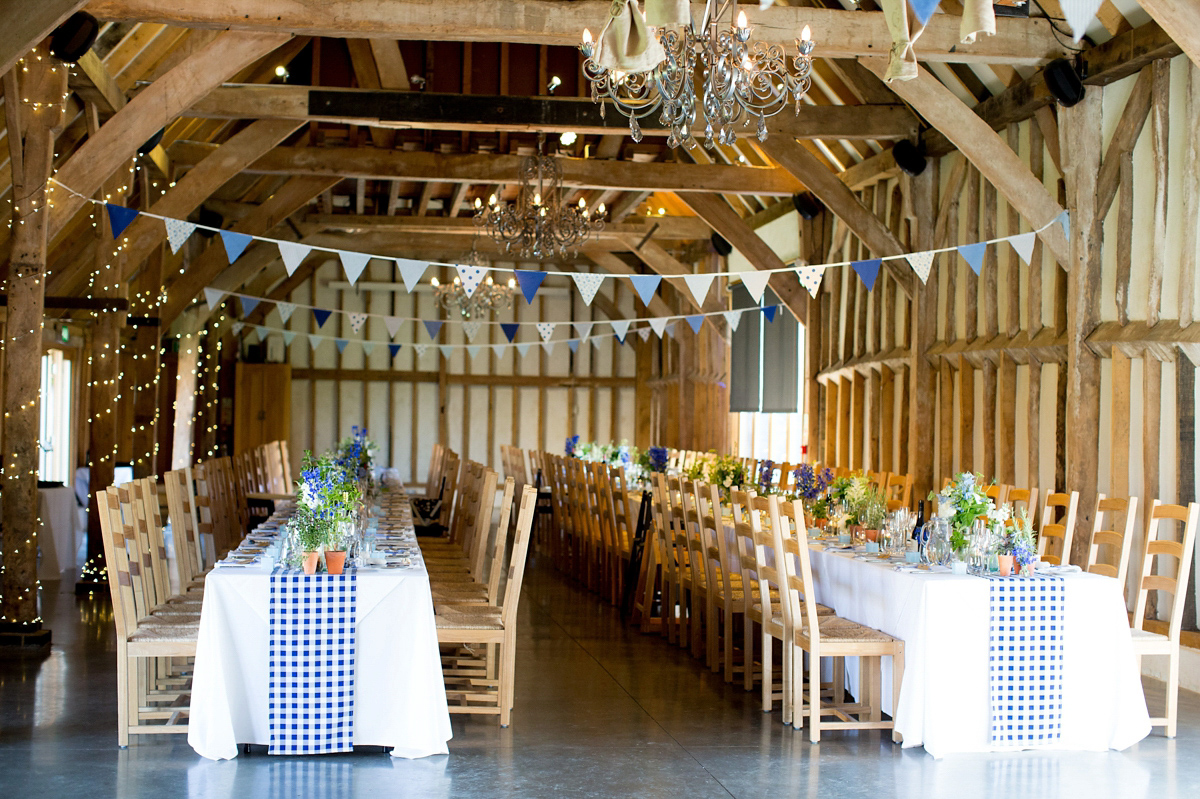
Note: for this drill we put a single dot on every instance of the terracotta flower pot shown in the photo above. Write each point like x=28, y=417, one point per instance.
x=1006, y=563
x=335, y=562
x=871, y=535
x=310, y=562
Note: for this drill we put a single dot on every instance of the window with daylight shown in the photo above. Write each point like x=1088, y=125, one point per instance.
x=54, y=462
x=766, y=393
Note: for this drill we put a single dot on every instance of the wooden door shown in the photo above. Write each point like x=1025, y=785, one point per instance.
x=262, y=405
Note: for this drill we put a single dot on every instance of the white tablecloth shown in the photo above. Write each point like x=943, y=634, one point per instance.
x=60, y=531
x=400, y=699
x=943, y=620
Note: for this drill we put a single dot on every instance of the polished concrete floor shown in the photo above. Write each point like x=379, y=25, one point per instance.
x=600, y=711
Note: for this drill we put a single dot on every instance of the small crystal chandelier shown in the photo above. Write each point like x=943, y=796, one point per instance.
x=539, y=225
x=488, y=295
x=743, y=80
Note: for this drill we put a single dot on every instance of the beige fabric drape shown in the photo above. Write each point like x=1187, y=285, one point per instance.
x=626, y=43
x=667, y=13
x=978, y=17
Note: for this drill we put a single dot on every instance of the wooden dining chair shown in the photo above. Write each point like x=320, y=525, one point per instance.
x=181, y=510
x=762, y=563
x=995, y=492
x=697, y=583
x=1056, y=528
x=1116, y=538
x=1165, y=554
x=1027, y=496
x=898, y=493
x=481, y=588
x=142, y=707
x=474, y=625
x=831, y=637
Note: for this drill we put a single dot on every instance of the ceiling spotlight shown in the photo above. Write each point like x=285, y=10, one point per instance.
x=281, y=72
x=554, y=83
x=418, y=81
x=568, y=138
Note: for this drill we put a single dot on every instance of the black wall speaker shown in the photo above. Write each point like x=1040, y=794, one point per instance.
x=72, y=39
x=152, y=142
x=1063, y=82
x=909, y=157
x=210, y=219
x=806, y=204
x=720, y=245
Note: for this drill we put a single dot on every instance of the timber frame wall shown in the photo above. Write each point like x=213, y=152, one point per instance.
x=978, y=375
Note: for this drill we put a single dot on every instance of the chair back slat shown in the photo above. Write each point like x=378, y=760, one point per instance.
x=1167, y=561
x=520, y=550
x=1056, y=533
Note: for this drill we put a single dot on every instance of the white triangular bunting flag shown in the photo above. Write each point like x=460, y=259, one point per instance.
x=357, y=320
x=523, y=349
x=412, y=272
x=499, y=349
x=262, y=332
x=755, y=283
x=286, y=309
x=392, y=324
x=620, y=327
x=293, y=254
x=699, y=285
x=670, y=328
x=546, y=329
x=288, y=337
x=473, y=351
x=921, y=262
x=178, y=231
x=420, y=348
x=644, y=332
x=314, y=340
x=548, y=346
x=1079, y=14
x=471, y=277
x=584, y=329
x=659, y=326
x=810, y=278
x=1023, y=244
x=353, y=264
x=446, y=351
x=236, y=327
x=588, y=283
x=367, y=347
x=471, y=329
x=214, y=297
x=595, y=343
x=733, y=319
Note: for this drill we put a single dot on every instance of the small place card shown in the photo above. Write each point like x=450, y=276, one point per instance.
x=844, y=539
x=958, y=567
x=912, y=556
x=872, y=546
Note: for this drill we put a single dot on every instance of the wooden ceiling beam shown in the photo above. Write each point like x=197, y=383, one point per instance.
x=487, y=114
x=117, y=141
x=664, y=227
x=987, y=150
x=714, y=210
x=294, y=195
x=1180, y=19
x=842, y=202
x=26, y=24
x=837, y=33
x=359, y=162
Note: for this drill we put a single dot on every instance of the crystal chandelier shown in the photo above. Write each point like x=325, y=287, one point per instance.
x=743, y=80
x=538, y=225
x=488, y=295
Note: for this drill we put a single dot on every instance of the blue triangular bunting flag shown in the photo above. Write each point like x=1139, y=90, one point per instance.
x=235, y=243
x=341, y=345
x=510, y=330
x=248, y=306
x=1064, y=219
x=973, y=255
x=119, y=218
x=432, y=326
x=530, y=282
x=394, y=350
x=695, y=322
x=573, y=344
x=867, y=271
x=923, y=9
x=645, y=286
x=321, y=316
x=769, y=312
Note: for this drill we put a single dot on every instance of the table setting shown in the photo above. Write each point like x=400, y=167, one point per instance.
x=317, y=632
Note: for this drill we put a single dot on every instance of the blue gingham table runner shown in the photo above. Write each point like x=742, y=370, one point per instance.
x=311, y=662
x=1026, y=660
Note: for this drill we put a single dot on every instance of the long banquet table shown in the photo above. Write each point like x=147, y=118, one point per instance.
x=944, y=621
x=400, y=698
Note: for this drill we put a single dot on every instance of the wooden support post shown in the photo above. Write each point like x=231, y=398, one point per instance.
x=31, y=132
x=185, y=399
x=1080, y=131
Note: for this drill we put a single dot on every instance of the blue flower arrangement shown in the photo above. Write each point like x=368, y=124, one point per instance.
x=811, y=484
x=572, y=445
